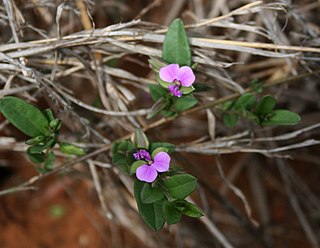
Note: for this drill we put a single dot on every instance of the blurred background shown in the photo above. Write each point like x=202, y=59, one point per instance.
x=81, y=67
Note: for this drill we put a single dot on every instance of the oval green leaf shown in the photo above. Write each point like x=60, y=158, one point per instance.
x=159, y=149
x=150, y=194
x=36, y=158
x=176, y=49
x=24, y=116
x=156, y=145
x=180, y=186
x=246, y=101
x=230, y=120
x=140, y=139
x=188, y=209
x=171, y=214
x=71, y=149
x=136, y=165
x=151, y=213
x=186, y=90
x=265, y=105
x=282, y=117
x=157, y=91
x=184, y=102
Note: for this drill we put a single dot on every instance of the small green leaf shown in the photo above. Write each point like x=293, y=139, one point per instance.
x=171, y=214
x=37, y=149
x=159, y=149
x=140, y=140
x=282, y=117
x=227, y=105
x=71, y=149
x=185, y=102
x=24, y=116
x=156, y=64
x=181, y=185
x=150, y=194
x=265, y=105
x=188, y=209
x=36, y=158
x=230, y=120
x=48, y=114
x=49, y=162
x=156, y=92
x=176, y=49
x=135, y=165
x=151, y=213
x=170, y=147
x=164, y=84
x=246, y=101
x=120, y=155
x=35, y=140
x=55, y=125
x=186, y=90
x=169, y=114
x=157, y=107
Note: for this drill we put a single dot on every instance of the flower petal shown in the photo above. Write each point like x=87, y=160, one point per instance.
x=186, y=76
x=169, y=73
x=161, y=162
x=146, y=173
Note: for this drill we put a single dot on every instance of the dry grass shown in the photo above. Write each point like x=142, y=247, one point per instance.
x=52, y=53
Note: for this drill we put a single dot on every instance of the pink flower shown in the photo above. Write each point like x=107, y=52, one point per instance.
x=182, y=76
x=148, y=172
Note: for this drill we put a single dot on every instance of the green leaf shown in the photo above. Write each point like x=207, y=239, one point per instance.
x=156, y=64
x=140, y=139
x=176, y=49
x=159, y=149
x=120, y=155
x=151, y=213
x=265, y=105
x=157, y=107
x=230, y=120
x=153, y=146
x=36, y=158
x=35, y=140
x=282, y=117
x=150, y=194
x=156, y=92
x=37, y=149
x=181, y=185
x=246, y=101
x=135, y=165
x=71, y=149
x=227, y=105
x=24, y=116
x=163, y=83
x=185, y=102
x=171, y=214
x=49, y=162
x=186, y=90
x=169, y=114
x=188, y=209
x=55, y=125
x=48, y=114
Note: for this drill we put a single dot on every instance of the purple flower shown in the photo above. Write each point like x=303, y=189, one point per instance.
x=182, y=76
x=174, y=90
x=148, y=172
x=142, y=155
